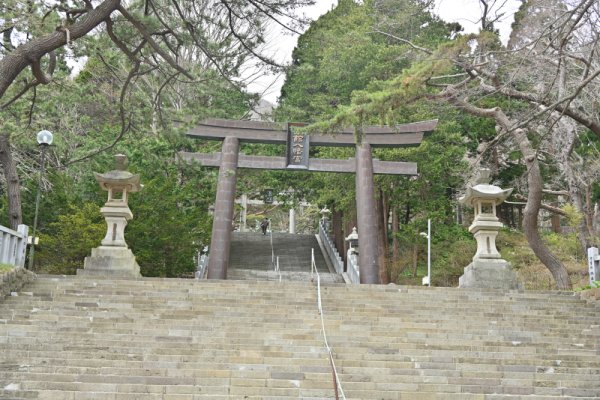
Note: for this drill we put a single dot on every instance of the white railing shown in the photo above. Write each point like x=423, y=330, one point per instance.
x=336, y=380
x=277, y=268
x=330, y=250
x=274, y=259
x=13, y=245
x=352, y=271
x=272, y=249
x=201, y=266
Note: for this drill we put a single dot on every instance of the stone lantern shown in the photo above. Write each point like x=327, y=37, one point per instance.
x=113, y=257
x=325, y=212
x=488, y=269
x=352, y=240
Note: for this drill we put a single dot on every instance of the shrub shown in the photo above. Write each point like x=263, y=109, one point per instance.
x=70, y=240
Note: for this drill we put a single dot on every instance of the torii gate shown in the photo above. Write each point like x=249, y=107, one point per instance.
x=229, y=160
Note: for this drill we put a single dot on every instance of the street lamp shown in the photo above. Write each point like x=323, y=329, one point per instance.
x=44, y=139
x=428, y=236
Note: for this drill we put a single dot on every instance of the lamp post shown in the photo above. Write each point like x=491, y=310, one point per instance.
x=428, y=236
x=44, y=139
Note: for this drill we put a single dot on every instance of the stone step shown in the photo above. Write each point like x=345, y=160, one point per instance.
x=95, y=338
x=184, y=288
x=254, y=251
x=257, y=275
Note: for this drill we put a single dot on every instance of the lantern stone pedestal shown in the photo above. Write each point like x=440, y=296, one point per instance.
x=113, y=258
x=488, y=270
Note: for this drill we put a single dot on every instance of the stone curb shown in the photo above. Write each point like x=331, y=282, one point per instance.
x=13, y=280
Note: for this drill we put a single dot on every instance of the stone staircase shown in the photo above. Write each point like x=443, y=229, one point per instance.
x=171, y=339
x=251, y=257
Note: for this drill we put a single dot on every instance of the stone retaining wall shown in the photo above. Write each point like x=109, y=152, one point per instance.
x=14, y=280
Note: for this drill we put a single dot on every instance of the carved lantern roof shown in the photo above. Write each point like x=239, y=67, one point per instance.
x=483, y=190
x=119, y=177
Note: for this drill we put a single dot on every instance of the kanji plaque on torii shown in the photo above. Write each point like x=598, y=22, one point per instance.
x=297, y=147
x=297, y=157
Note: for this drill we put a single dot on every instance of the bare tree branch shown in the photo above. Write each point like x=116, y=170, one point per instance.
x=125, y=126
x=32, y=51
x=544, y=206
x=24, y=90
x=146, y=35
x=408, y=42
x=40, y=75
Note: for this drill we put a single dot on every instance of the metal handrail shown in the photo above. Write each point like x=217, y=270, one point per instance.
x=277, y=269
x=336, y=380
x=274, y=260
x=272, y=249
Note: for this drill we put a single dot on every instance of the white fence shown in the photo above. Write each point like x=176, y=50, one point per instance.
x=330, y=249
x=13, y=245
x=353, y=271
x=202, y=263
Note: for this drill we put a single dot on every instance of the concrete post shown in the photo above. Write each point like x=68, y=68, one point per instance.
x=594, y=264
x=22, y=248
x=292, y=221
x=366, y=216
x=222, y=220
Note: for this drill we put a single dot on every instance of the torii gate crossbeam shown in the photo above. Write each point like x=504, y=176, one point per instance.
x=229, y=160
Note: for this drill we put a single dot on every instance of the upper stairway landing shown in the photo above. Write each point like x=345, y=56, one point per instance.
x=251, y=257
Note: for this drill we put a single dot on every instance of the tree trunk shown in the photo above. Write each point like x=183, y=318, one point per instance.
x=596, y=224
x=13, y=187
x=395, y=230
x=555, y=220
x=530, y=214
x=589, y=213
x=382, y=240
x=338, y=231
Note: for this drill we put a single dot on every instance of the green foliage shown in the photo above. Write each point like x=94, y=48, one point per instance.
x=593, y=285
x=514, y=249
x=171, y=221
x=341, y=54
x=6, y=267
x=573, y=216
x=566, y=244
x=450, y=259
x=69, y=240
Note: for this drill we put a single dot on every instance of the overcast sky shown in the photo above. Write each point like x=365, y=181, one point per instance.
x=466, y=12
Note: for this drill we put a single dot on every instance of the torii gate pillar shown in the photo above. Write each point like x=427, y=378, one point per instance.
x=366, y=216
x=223, y=216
